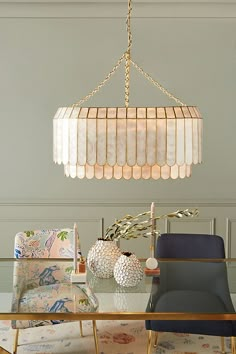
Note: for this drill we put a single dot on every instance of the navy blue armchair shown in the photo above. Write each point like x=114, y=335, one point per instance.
x=197, y=287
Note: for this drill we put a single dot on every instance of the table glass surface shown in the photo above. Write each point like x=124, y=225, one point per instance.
x=116, y=299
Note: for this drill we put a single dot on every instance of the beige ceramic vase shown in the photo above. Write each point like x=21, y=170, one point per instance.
x=128, y=270
x=102, y=258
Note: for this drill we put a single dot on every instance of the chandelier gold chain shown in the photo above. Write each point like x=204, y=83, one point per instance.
x=157, y=84
x=128, y=25
x=102, y=83
x=128, y=61
x=127, y=55
x=127, y=78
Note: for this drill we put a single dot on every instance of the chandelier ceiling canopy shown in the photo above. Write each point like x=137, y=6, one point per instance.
x=128, y=142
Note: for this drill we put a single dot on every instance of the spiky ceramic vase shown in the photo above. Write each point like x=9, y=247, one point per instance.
x=128, y=270
x=102, y=258
x=120, y=299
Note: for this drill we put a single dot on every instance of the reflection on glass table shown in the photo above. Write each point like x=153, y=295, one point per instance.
x=114, y=301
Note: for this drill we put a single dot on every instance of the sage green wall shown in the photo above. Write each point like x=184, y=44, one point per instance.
x=54, y=53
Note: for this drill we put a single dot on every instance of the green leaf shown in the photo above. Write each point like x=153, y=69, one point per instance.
x=29, y=233
x=132, y=227
x=84, y=302
x=69, y=269
x=62, y=235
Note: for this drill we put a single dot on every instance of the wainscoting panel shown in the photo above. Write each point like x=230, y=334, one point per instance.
x=196, y=225
x=230, y=237
x=214, y=218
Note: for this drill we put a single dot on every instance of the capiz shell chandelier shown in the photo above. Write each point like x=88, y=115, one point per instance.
x=128, y=142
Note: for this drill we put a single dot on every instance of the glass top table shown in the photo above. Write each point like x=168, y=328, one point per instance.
x=117, y=302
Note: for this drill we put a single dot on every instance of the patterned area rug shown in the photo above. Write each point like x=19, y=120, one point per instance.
x=115, y=337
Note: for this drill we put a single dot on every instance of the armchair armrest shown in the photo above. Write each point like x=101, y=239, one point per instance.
x=44, y=286
x=35, y=273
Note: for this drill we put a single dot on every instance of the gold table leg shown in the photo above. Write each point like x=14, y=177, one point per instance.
x=95, y=336
x=149, y=345
x=16, y=341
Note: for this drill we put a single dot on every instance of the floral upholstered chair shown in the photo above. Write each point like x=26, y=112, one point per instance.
x=44, y=286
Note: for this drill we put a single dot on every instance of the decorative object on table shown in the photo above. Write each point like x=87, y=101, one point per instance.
x=152, y=272
x=153, y=230
x=104, y=253
x=102, y=257
x=132, y=227
x=78, y=274
x=128, y=270
x=151, y=262
x=128, y=142
x=82, y=265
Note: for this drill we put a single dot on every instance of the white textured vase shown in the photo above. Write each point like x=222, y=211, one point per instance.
x=128, y=270
x=120, y=299
x=102, y=258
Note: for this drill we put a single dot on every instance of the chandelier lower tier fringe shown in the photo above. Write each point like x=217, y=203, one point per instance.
x=128, y=172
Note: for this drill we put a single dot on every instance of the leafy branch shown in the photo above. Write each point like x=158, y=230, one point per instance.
x=141, y=225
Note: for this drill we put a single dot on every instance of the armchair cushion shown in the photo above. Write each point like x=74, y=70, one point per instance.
x=44, y=286
x=63, y=297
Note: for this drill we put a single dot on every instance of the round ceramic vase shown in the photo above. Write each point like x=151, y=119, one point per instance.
x=120, y=299
x=102, y=258
x=128, y=270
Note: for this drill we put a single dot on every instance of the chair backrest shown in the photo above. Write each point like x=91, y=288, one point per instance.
x=190, y=246
x=54, y=243
x=197, y=275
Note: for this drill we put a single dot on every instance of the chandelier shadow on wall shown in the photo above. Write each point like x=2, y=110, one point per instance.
x=128, y=142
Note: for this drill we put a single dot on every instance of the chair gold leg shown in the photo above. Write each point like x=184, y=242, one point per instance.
x=95, y=337
x=16, y=341
x=156, y=339
x=81, y=328
x=222, y=345
x=149, y=345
